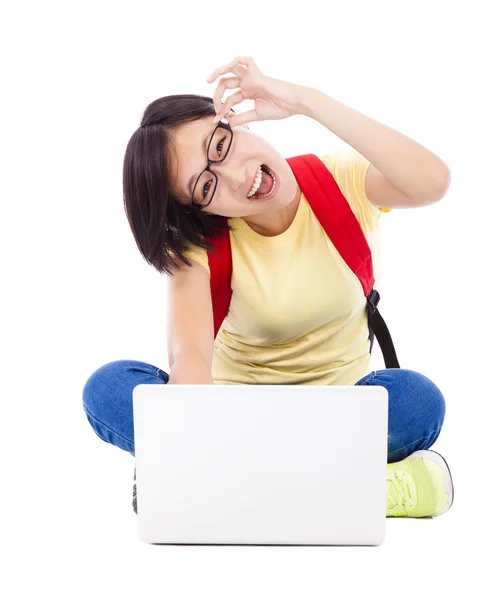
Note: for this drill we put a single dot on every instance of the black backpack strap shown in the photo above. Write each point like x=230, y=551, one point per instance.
x=377, y=326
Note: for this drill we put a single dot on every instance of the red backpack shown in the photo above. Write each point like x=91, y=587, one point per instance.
x=342, y=227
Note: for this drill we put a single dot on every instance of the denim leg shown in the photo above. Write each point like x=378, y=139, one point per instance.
x=416, y=410
x=108, y=400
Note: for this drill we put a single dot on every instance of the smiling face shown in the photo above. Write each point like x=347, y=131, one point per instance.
x=236, y=174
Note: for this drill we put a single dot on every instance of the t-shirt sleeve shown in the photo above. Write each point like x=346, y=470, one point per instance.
x=349, y=169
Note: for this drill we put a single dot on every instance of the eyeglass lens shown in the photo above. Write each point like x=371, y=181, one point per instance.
x=218, y=149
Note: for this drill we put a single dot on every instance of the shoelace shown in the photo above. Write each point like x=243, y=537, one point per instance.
x=403, y=485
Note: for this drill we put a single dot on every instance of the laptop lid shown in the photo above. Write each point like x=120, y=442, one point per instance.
x=261, y=464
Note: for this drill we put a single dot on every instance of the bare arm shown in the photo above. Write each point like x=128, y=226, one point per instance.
x=192, y=368
x=190, y=326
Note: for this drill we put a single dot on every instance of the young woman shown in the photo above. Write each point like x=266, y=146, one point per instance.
x=297, y=313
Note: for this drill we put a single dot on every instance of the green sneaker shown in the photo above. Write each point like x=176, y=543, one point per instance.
x=419, y=486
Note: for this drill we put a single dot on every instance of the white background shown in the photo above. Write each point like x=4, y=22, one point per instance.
x=76, y=294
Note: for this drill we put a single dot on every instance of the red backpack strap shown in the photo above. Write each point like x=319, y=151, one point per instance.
x=338, y=220
x=343, y=228
x=220, y=268
x=335, y=215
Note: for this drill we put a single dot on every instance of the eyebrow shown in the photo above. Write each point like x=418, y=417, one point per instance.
x=204, y=147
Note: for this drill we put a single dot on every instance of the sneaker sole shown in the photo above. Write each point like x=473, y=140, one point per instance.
x=441, y=461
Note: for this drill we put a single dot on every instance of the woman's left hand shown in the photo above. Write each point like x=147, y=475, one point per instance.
x=274, y=99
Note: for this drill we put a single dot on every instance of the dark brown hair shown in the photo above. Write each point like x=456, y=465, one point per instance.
x=162, y=226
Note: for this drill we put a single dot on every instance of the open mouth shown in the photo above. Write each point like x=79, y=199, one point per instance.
x=264, y=184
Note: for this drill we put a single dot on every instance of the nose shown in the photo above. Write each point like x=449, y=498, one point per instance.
x=234, y=175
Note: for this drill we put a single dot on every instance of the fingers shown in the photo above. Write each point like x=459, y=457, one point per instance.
x=244, y=118
x=223, y=85
x=240, y=66
x=230, y=101
x=247, y=61
x=217, y=72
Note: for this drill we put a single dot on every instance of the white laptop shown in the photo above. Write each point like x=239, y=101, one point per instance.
x=261, y=464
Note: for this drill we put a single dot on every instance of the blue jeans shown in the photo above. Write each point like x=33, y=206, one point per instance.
x=416, y=406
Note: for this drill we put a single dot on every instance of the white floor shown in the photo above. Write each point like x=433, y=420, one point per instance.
x=72, y=533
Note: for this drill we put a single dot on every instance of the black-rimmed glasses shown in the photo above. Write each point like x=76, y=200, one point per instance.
x=218, y=148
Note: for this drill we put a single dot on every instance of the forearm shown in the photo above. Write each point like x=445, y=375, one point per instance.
x=191, y=368
x=391, y=152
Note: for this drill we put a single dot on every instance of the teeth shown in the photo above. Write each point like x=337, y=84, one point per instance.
x=257, y=182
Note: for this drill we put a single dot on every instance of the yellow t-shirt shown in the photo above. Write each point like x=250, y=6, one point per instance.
x=298, y=313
